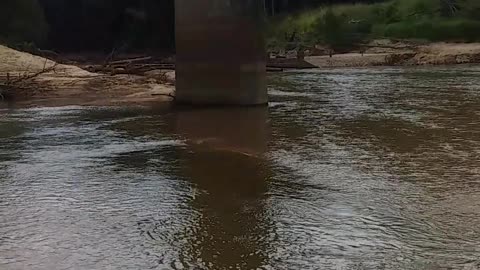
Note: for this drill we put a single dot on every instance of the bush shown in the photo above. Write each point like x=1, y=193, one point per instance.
x=387, y=13
x=458, y=29
x=338, y=32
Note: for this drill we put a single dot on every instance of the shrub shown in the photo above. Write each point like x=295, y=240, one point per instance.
x=338, y=32
x=458, y=29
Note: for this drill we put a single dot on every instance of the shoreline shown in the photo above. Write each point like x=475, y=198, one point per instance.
x=25, y=78
x=34, y=80
x=391, y=53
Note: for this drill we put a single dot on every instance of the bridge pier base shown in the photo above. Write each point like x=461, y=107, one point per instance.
x=221, y=57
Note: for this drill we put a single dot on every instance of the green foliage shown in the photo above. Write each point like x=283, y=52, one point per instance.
x=331, y=27
x=22, y=21
x=337, y=32
x=469, y=9
x=434, y=30
x=418, y=8
x=345, y=25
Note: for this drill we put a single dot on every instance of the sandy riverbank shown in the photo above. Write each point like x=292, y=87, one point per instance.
x=25, y=77
x=388, y=53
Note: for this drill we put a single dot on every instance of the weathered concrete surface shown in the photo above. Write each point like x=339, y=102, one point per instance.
x=220, y=52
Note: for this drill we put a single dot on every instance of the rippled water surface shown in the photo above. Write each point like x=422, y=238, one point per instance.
x=347, y=169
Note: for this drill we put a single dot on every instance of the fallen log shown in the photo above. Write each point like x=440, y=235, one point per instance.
x=140, y=69
x=149, y=67
x=129, y=61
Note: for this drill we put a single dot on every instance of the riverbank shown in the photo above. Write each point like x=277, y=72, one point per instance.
x=25, y=77
x=30, y=79
x=391, y=53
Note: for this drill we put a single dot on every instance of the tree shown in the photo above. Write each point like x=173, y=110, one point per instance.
x=332, y=30
x=22, y=21
x=106, y=24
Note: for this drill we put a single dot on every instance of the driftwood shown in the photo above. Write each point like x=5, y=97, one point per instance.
x=129, y=61
x=141, y=65
x=27, y=76
x=131, y=66
x=167, y=95
x=10, y=83
x=137, y=69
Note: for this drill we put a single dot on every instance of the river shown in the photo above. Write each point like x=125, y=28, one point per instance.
x=346, y=169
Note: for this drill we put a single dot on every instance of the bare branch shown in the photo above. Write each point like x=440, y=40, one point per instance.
x=34, y=75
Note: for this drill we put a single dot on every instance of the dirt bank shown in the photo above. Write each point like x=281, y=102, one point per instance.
x=391, y=53
x=25, y=78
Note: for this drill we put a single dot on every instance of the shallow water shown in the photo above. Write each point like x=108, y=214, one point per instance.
x=347, y=169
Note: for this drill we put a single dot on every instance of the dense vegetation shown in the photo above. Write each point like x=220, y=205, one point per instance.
x=342, y=26
x=89, y=25
x=106, y=24
x=93, y=25
x=22, y=20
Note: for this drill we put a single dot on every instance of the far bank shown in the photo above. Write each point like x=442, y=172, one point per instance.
x=398, y=53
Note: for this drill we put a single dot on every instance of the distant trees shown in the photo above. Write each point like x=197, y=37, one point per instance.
x=106, y=24
x=88, y=24
x=340, y=26
x=92, y=25
x=274, y=7
x=22, y=20
x=331, y=29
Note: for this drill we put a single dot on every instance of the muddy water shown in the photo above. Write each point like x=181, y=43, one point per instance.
x=347, y=169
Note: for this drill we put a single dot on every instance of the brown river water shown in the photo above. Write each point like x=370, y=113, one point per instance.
x=346, y=169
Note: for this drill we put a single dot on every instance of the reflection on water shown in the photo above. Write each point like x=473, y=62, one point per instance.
x=238, y=130
x=226, y=166
x=222, y=161
x=347, y=169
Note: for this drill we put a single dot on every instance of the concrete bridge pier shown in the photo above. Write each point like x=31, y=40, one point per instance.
x=221, y=57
